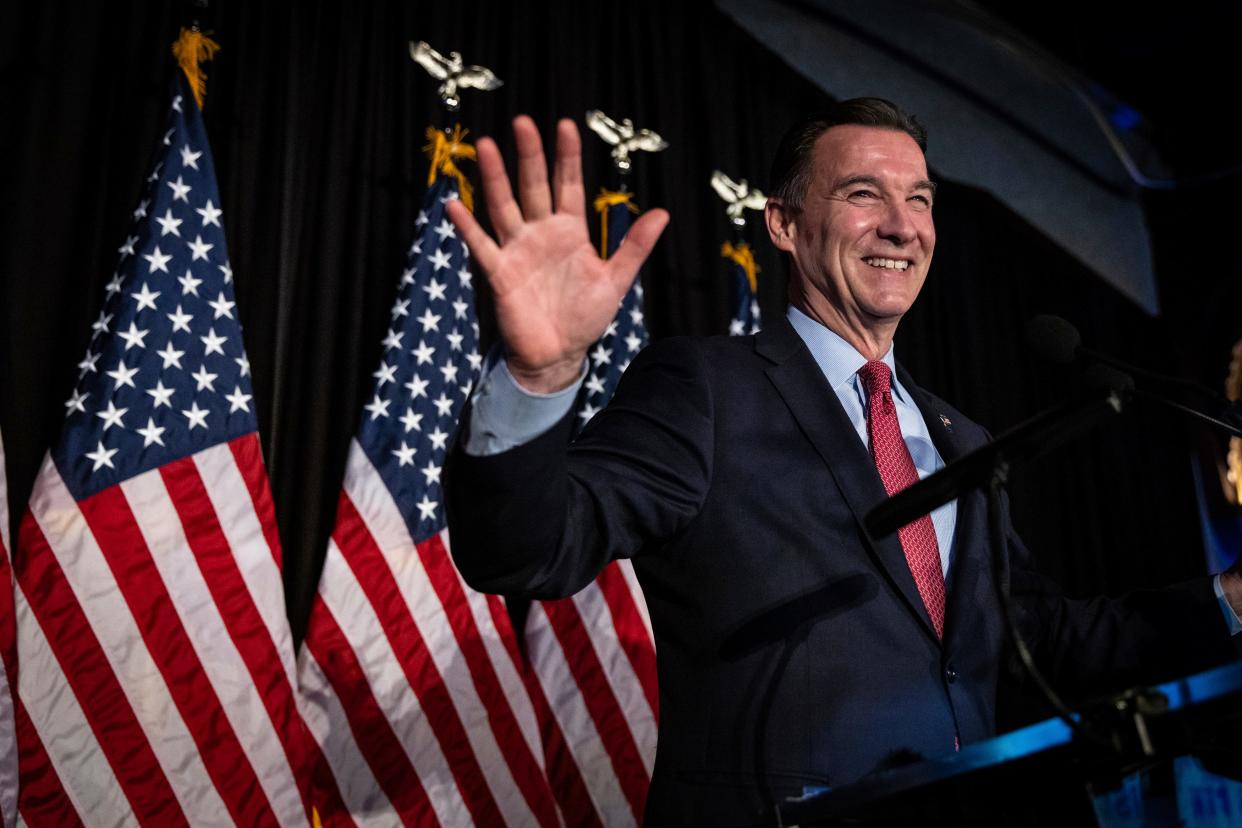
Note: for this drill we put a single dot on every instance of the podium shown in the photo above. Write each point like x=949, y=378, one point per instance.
x=1045, y=774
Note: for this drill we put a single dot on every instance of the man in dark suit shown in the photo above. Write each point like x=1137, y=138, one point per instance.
x=795, y=652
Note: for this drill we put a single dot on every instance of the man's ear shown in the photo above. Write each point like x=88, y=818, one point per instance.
x=781, y=225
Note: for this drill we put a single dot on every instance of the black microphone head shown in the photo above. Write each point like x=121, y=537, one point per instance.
x=1104, y=378
x=1053, y=338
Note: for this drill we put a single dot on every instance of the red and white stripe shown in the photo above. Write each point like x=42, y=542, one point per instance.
x=8, y=653
x=157, y=680
x=412, y=683
x=594, y=657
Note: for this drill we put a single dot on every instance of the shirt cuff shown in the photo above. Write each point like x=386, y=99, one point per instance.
x=1231, y=617
x=505, y=415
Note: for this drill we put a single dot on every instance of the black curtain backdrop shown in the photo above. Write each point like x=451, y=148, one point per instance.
x=316, y=117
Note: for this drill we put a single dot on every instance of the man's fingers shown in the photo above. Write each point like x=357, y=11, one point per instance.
x=482, y=248
x=567, y=174
x=532, y=170
x=637, y=244
x=504, y=212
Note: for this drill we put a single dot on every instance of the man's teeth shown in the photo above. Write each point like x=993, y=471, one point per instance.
x=891, y=264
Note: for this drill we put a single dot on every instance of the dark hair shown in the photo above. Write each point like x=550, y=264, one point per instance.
x=791, y=169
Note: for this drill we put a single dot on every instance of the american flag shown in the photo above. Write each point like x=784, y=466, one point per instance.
x=8, y=655
x=594, y=653
x=413, y=683
x=157, y=673
x=743, y=268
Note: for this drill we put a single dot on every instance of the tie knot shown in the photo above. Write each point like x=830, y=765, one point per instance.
x=876, y=378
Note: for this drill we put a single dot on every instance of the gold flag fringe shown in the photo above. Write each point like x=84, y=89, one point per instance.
x=745, y=259
x=603, y=201
x=191, y=49
x=442, y=150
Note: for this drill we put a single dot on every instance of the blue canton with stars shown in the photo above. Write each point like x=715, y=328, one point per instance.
x=625, y=336
x=430, y=362
x=165, y=374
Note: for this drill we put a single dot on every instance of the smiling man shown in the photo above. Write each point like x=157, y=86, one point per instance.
x=795, y=652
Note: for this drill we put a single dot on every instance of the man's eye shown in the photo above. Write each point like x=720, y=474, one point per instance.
x=921, y=200
x=862, y=194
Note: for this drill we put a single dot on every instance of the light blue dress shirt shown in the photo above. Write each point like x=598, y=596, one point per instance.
x=506, y=415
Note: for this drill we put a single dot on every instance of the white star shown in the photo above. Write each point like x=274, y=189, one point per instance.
x=434, y=289
x=102, y=457
x=100, y=325
x=176, y=104
x=459, y=309
x=210, y=213
x=161, y=395
x=180, y=320
x=168, y=224
x=198, y=249
x=155, y=173
x=171, y=355
x=151, y=434
x=404, y=455
x=112, y=416
x=377, y=407
x=636, y=317
x=411, y=421
x=189, y=158
x=432, y=472
x=440, y=260
x=464, y=276
x=429, y=321
x=638, y=289
x=74, y=403
x=595, y=384
x=227, y=271
x=445, y=230
x=439, y=439
x=189, y=284
x=195, y=416
x=158, y=260
x=426, y=508
x=114, y=286
x=399, y=308
x=127, y=249
x=146, y=298
x=237, y=400
x=385, y=373
x=213, y=343
x=222, y=306
x=737, y=327
x=180, y=190
x=168, y=135
x=611, y=330
x=243, y=365
x=423, y=353
x=588, y=411
x=449, y=369
x=204, y=378
x=141, y=210
x=449, y=196
x=416, y=249
x=633, y=342
x=444, y=406
x=133, y=336
x=407, y=276
x=624, y=366
x=393, y=340
x=417, y=386
x=476, y=361
x=421, y=220
x=454, y=340
x=124, y=375
x=601, y=355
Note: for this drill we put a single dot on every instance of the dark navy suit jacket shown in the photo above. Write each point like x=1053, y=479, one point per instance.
x=793, y=650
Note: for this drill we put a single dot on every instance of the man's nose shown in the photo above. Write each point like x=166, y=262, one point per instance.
x=897, y=224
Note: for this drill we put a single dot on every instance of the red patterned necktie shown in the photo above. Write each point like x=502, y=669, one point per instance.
x=896, y=468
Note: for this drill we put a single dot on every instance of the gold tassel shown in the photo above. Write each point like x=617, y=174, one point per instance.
x=745, y=258
x=442, y=150
x=191, y=49
x=603, y=201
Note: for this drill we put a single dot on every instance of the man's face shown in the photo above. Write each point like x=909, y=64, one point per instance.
x=863, y=239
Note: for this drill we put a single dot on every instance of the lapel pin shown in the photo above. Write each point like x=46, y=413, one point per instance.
x=946, y=422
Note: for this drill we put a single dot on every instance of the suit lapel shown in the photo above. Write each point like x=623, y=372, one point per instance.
x=815, y=406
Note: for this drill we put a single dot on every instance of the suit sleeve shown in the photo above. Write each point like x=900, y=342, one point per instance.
x=542, y=519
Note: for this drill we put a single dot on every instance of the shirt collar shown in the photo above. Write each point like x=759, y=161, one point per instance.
x=835, y=357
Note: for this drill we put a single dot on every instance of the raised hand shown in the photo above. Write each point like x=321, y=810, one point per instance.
x=554, y=294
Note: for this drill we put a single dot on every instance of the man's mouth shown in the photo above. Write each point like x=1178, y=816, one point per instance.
x=891, y=264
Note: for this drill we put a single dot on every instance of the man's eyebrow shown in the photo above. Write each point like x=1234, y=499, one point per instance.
x=925, y=184
x=871, y=180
